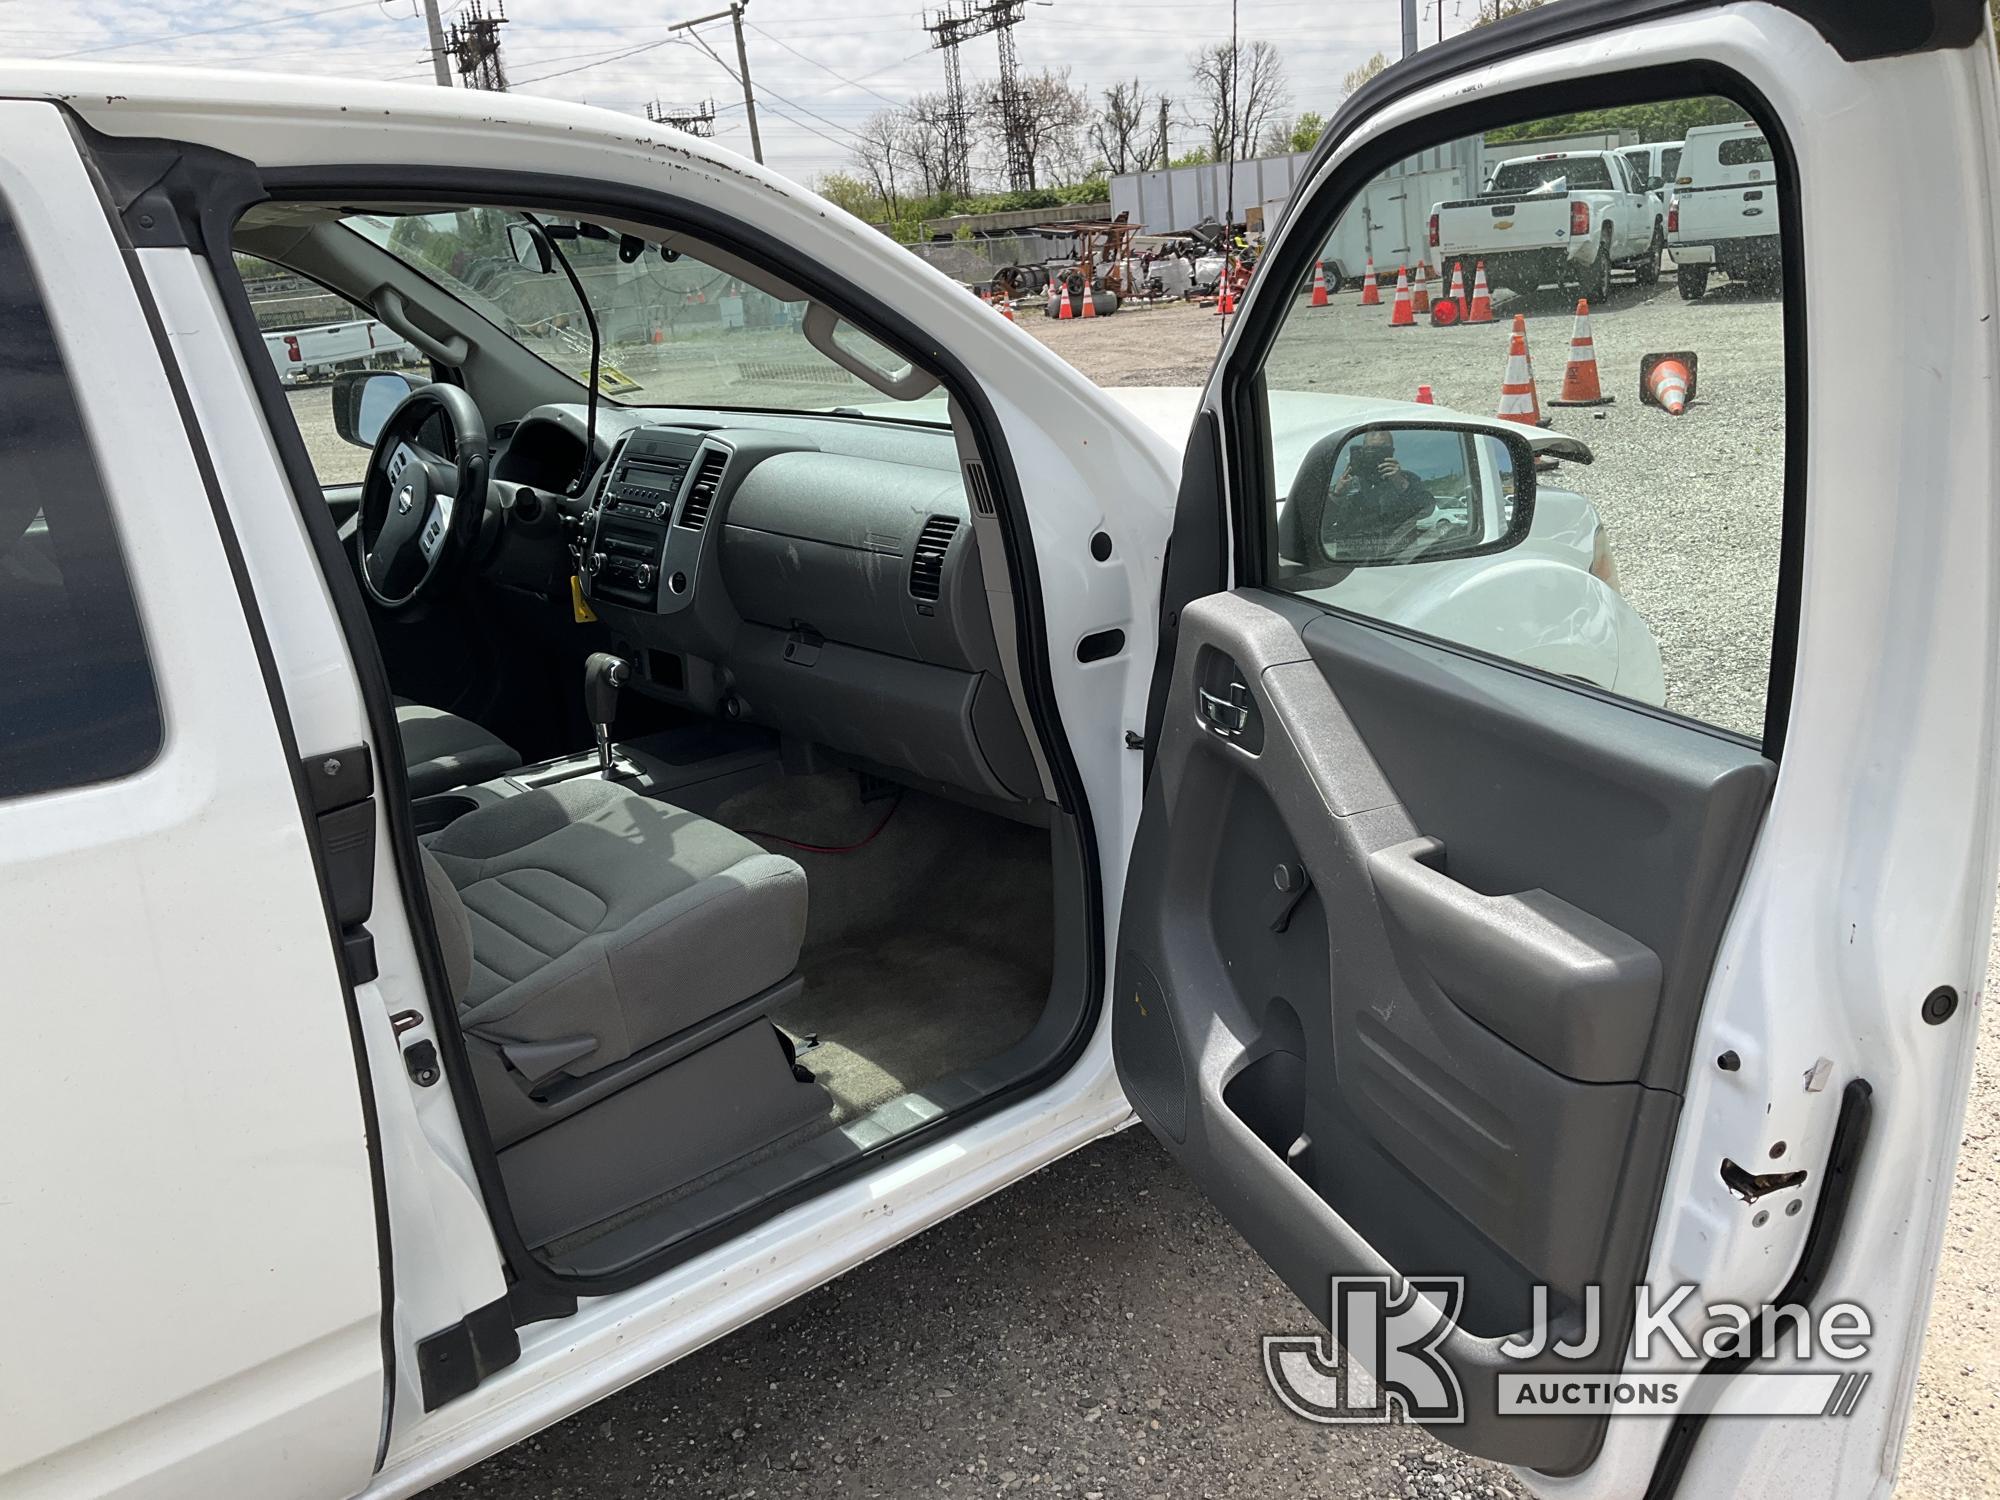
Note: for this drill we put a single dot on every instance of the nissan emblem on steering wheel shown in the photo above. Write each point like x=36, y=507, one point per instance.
x=403, y=500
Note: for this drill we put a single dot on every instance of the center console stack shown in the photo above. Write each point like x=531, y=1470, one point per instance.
x=645, y=537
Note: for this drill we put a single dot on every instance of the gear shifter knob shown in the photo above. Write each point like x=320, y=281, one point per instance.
x=603, y=675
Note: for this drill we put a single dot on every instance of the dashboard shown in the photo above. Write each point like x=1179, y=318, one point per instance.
x=816, y=576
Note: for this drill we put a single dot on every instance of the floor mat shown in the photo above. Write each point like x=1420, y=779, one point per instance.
x=928, y=948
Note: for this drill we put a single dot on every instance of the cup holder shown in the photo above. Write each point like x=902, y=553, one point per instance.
x=436, y=812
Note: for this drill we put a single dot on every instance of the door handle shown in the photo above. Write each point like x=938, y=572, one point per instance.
x=1571, y=991
x=1227, y=716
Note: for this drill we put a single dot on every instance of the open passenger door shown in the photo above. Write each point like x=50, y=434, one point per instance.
x=1490, y=928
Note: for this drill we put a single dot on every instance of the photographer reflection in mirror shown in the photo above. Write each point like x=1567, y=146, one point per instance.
x=1377, y=501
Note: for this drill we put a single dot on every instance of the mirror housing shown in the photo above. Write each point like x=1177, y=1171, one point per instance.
x=363, y=399
x=1400, y=492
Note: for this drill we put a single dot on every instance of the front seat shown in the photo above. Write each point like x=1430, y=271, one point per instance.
x=582, y=922
x=442, y=750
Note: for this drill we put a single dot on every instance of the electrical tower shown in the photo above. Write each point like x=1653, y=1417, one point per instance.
x=475, y=44
x=960, y=22
x=695, y=119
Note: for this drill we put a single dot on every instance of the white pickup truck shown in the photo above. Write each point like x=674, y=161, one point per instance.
x=1566, y=218
x=302, y=354
x=381, y=1093
x=1723, y=215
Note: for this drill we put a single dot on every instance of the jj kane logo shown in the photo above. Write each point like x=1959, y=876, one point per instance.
x=1385, y=1358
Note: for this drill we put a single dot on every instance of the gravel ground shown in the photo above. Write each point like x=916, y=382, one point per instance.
x=1094, y=1330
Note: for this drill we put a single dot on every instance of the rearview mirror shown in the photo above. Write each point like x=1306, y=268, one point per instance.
x=530, y=248
x=1406, y=492
x=363, y=399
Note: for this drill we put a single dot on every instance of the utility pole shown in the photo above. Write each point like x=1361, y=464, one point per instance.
x=1409, y=28
x=749, y=97
x=435, y=25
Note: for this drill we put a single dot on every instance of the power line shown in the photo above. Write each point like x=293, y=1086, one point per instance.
x=175, y=36
x=822, y=66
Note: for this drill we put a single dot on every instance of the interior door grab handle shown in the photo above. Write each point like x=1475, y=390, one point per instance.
x=1571, y=991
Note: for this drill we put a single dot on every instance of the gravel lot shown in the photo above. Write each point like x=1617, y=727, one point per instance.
x=1093, y=1331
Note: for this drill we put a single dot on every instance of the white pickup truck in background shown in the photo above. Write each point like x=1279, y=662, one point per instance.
x=303, y=354
x=1724, y=211
x=1566, y=218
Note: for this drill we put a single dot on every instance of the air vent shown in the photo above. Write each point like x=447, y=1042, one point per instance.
x=927, y=566
x=701, y=494
x=982, y=492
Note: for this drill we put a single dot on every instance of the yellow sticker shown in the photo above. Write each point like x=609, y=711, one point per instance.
x=579, y=606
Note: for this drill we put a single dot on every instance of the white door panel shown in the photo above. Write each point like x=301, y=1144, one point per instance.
x=1870, y=883
x=191, y=1227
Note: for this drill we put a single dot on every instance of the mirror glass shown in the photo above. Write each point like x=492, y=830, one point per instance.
x=529, y=249
x=1403, y=494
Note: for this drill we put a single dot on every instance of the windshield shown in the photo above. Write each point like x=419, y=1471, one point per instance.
x=676, y=332
x=1585, y=174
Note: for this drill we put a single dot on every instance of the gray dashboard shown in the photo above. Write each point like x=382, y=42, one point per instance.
x=817, y=576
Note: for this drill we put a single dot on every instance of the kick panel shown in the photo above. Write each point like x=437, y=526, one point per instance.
x=1401, y=985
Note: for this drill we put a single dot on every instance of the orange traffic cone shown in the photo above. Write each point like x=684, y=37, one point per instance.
x=1580, y=387
x=1401, y=316
x=1444, y=312
x=1089, y=298
x=1225, y=301
x=1518, y=402
x=1063, y=309
x=1424, y=396
x=1006, y=305
x=1420, y=289
x=1456, y=296
x=1480, y=310
x=1667, y=381
x=1371, y=294
x=1319, y=284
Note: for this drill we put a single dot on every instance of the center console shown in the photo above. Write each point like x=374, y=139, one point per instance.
x=646, y=532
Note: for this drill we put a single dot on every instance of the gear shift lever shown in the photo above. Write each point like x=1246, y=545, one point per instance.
x=603, y=675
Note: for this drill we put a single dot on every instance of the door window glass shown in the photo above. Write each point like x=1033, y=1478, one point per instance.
x=310, y=335
x=1649, y=382
x=77, y=699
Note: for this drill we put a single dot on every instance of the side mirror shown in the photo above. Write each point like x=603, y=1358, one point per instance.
x=363, y=399
x=1654, y=184
x=1407, y=492
x=530, y=248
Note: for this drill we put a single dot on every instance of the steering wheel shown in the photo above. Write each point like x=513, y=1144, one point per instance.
x=421, y=507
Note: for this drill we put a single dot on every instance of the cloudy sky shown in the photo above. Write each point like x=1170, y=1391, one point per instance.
x=820, y=68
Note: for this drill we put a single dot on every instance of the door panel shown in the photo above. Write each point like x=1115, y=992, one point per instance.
x=192, y=1239
x=1442, y=1051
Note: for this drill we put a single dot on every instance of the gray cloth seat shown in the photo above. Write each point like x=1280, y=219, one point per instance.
x=583, y=922
x=442, y=750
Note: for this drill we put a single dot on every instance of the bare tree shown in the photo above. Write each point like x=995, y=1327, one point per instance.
x=1051, y=116
x=926, y=144
x=1237, y=91
x=879, y=147
x=1122, y=133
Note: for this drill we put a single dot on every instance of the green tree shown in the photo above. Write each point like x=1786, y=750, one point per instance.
x=1353, y=78
x=1667, y=120
x=847, y=191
